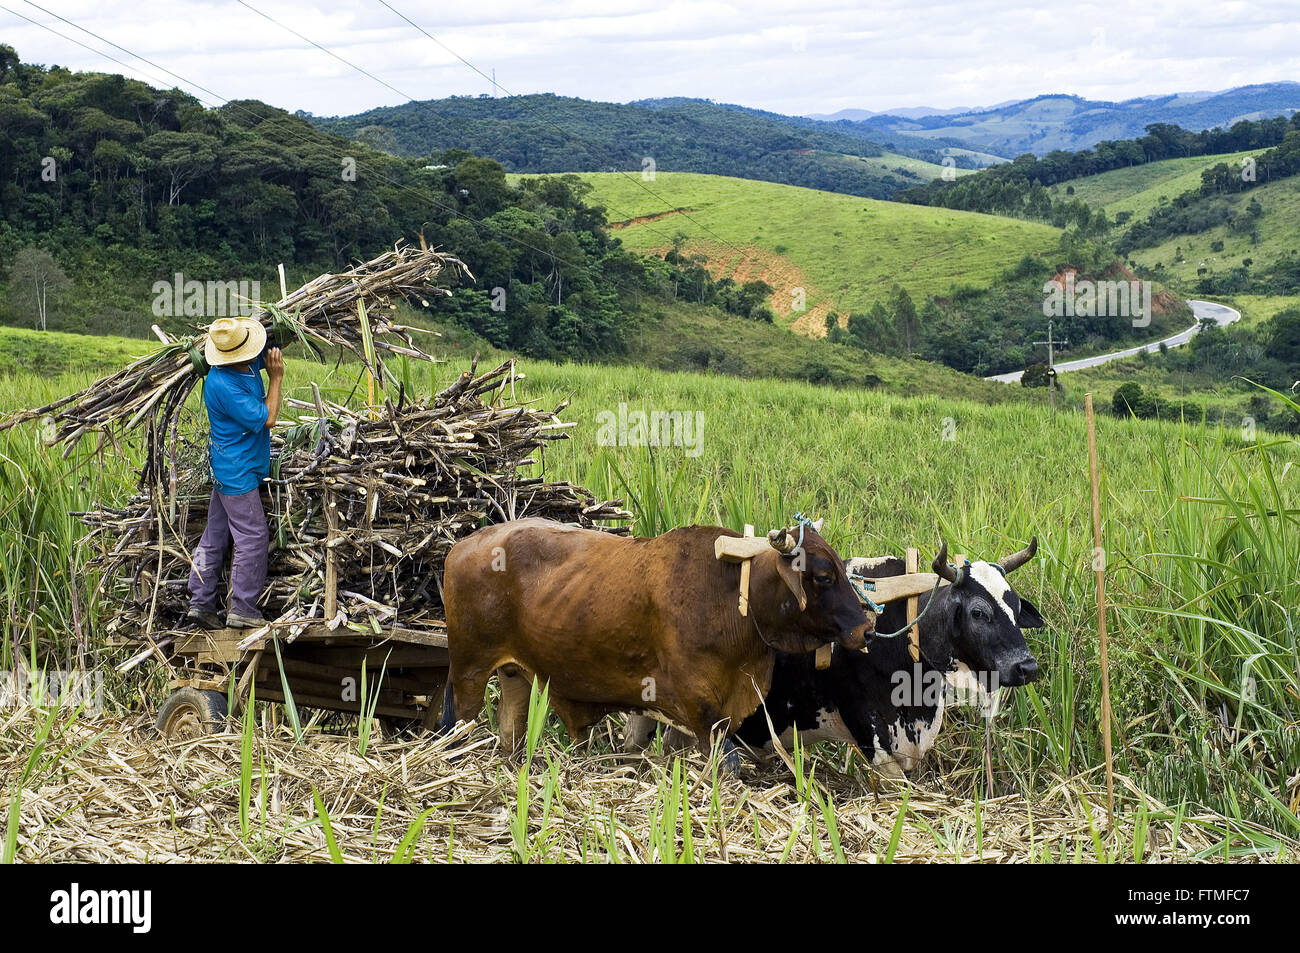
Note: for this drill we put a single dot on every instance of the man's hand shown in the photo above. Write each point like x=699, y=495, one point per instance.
x=275, y=376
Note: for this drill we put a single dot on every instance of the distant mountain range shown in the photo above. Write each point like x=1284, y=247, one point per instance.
x=905, y=112
x=1071, y=123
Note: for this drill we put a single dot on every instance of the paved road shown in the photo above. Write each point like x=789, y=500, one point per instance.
x=1220, y=313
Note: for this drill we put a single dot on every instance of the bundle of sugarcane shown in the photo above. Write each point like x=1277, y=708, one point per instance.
x=382, y=495
x=327, y=313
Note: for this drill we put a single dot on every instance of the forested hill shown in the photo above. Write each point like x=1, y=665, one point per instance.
x=108, y=185
x=549, y=133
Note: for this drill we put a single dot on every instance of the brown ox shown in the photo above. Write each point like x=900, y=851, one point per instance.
x=617, y=624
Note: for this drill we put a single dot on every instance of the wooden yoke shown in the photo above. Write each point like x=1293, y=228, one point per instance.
x=741, y=550
x=912, y=565
x=909, y=586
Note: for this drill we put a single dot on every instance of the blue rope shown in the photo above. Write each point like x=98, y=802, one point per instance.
x=801, y=521
x=919, y=616
x=860, y=584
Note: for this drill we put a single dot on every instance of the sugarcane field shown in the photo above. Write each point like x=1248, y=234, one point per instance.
x=711, y=460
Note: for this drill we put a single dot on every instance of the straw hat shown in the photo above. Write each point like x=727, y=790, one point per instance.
x=233, y=341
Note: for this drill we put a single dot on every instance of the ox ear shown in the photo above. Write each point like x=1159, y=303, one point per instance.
x=1028, y=617
x=793, y=578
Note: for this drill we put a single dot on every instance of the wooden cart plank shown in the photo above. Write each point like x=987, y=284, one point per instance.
x=404, y=657
x=272, y=693
x=222, y=645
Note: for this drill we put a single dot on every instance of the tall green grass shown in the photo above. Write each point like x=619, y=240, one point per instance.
x=1202, y=553
x=50, y=615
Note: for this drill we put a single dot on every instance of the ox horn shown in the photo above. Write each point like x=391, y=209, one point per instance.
x=943, y=568
x=1016, y=560
x=781, y=540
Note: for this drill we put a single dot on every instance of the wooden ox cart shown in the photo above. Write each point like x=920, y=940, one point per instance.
x=323, y=667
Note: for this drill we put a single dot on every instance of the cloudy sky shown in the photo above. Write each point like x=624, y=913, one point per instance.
x=816, y=56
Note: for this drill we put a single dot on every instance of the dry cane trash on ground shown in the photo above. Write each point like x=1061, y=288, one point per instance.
x=118, y=793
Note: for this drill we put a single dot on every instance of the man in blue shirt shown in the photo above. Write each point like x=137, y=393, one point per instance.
x=240, y=416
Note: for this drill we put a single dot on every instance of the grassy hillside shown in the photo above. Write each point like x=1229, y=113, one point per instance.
x=683, y=337
x=899, y=164
x=845, y=252
x=50, y=353
x=1256, y=309
x=1192, y=615
x=666, y=336
x=1187, y=258
x=1140, y=188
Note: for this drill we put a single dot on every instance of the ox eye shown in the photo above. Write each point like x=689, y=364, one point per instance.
x=980, y=613
x=824, y=579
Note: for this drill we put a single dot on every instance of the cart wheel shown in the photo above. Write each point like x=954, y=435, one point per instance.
x=191, y=713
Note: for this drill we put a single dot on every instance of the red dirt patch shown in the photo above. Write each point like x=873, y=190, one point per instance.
x=742, y=263
x=642, y=219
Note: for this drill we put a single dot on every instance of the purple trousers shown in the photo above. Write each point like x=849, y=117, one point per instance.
x=243, y=518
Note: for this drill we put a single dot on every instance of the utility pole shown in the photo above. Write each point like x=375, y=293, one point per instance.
x=1051, y=364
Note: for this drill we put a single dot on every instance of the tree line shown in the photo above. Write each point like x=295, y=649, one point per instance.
x=1205, y=207
x=991, y=330
x=543, y=133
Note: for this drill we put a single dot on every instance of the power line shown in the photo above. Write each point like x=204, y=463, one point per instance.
x=289, y=131
x=566, y=132
x=64, y=36
x=410, y=98
x=103, y=39
x=359, y=69
x=301, y=139
x=330, y=52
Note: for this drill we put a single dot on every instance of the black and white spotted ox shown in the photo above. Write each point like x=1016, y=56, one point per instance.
x=882, y=701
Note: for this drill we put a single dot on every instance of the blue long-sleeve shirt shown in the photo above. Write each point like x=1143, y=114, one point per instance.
x=240, y=440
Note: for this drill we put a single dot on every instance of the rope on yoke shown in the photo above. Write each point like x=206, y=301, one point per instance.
x=860, y=584
x=920, y=615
